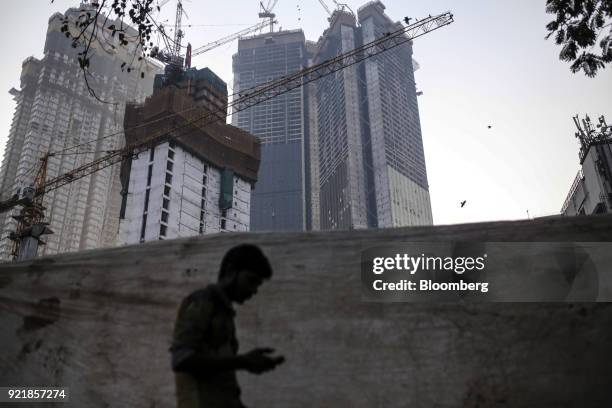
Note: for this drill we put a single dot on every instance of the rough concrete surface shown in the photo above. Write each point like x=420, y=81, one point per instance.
x=100, y=322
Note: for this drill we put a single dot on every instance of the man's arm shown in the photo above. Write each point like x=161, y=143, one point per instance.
x=193, y=321
x=255, y=361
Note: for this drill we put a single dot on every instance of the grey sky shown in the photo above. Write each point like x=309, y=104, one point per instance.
x=492, y=66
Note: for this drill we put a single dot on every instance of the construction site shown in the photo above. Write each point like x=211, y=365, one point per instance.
x=112, y=213
x=202, y=101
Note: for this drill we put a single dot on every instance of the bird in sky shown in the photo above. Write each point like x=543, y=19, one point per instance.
x=463, y=203
x=489, y=127
x=407, y=20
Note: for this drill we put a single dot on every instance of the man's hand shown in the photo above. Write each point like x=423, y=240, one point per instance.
x=257, y=361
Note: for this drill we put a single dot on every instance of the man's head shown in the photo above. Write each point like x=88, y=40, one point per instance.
x=243, y=270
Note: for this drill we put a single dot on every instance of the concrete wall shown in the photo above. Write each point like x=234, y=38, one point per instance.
x=100, y=323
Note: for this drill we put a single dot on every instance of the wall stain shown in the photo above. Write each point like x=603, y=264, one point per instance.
x=46, y=312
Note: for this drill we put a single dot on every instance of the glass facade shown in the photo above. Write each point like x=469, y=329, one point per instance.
x=278, y=198
x=371, y=161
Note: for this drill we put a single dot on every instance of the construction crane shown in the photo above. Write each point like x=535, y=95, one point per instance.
x=230, y=38
x=171, y=55
x=30, y=220
x=339, y=7
x=265, y=13
x=244, y=100
x=325, y=7
x=342, y=6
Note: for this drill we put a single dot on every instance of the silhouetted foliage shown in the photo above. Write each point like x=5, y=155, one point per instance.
x=126, y=21
x=580, y=27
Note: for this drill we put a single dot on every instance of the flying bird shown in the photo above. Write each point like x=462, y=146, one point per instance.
x=489, y=127
x=463, y=203
x=407, y=20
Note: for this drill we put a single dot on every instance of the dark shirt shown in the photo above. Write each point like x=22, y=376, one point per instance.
x=205, y=324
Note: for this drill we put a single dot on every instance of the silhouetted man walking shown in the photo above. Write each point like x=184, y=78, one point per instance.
x=204, y=348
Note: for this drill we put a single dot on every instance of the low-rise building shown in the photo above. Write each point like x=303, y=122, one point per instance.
x=591, y=191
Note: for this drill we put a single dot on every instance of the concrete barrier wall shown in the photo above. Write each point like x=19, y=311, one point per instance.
x=100, y=322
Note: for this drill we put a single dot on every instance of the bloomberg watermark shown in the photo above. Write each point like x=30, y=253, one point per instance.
x=488, y=271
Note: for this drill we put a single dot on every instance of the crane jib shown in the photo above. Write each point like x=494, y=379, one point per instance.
x=254, y=96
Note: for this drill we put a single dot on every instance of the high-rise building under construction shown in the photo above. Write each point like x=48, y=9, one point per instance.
x=346, y=150
x=278, y=201
x=370, y=171
x=55, y=112
x=198, y=176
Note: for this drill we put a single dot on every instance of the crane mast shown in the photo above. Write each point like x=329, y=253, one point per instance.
x=178, y=31
x=267, y=13
x=30, y=220
x=171, y=55
x=246, y=99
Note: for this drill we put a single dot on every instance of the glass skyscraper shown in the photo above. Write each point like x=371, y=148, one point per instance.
x=371, y=164
x=278, y=201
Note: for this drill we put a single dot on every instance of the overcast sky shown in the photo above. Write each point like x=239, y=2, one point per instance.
x=491, y=67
